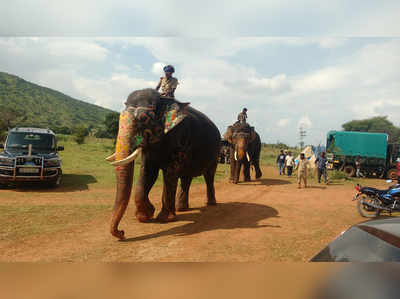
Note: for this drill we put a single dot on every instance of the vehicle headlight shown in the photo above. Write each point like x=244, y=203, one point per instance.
x=6, y=161
x=52, y=162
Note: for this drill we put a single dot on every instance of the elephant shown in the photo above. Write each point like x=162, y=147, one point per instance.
x=245, y=150
x=171, y=136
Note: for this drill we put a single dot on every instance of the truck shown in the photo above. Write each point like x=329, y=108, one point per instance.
x=30, y=155
x=378, y=156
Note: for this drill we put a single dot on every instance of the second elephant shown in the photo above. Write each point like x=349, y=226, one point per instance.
x=245, y=151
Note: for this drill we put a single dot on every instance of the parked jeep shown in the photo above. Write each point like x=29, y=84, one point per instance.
x=30, y=154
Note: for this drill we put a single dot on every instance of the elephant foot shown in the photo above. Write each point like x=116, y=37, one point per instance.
x=166, y=216
x=258, y=175
x=183, y=207
x=212, y=203
x=144, y=213
x=247, y=180
x=120, y=234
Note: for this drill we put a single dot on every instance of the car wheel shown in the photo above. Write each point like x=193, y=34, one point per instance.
x=349, y=170
x=57, y=182
x=392, y=174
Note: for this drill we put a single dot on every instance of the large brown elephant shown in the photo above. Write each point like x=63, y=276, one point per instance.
x=171, y=136
x=245, y=150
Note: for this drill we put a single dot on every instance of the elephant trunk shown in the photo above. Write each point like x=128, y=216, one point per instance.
x=241, y=150
x=124, y=170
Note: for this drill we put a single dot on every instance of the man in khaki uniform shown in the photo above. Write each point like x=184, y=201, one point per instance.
x=168, y=83
x=302, y=170
x=242, y=116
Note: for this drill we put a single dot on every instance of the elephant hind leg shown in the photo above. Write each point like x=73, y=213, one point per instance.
x=183, y=198
x=246, y=172
x=209, y=176
x=167, y=212
x=257, y=169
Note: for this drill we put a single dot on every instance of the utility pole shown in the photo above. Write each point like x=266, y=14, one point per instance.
x=302, y=134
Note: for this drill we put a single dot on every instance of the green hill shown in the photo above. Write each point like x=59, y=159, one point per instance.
x=39, y=106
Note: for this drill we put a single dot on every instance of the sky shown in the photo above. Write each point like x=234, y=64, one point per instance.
x=291, y=64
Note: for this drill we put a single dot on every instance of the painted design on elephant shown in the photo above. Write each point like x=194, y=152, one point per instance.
x=123, y=146
x=173, y=115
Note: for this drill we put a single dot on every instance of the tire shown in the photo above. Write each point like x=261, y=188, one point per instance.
x=349, y=170
x=392, y=174
x=57, y=182
x=364, y=210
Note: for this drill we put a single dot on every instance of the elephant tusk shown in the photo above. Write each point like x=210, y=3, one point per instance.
x=128, y=159
x=248, y=157
x=111, y=158
x=235, y=156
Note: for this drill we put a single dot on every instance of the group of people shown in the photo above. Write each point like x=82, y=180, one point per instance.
x=286, y=163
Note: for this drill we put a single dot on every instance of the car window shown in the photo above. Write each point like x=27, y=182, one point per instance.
x=38, y=141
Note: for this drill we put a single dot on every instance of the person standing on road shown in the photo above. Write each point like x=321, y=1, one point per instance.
x=302, y=170
x=289, y=160
x=321, y=167
x=358, y=167
x=285, y=152
x=280, y=160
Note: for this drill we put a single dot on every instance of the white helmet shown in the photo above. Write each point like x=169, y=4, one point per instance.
x=398, y=160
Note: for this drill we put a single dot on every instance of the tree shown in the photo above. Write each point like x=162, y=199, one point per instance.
x=378, y=124
x=8, y=118
x=80, y=132
x=112, y=124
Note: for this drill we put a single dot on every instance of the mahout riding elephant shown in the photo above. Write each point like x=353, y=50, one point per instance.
x=171, y=136
x=245, y=150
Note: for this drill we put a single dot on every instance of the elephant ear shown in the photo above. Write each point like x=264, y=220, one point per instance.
x=174, y=113
x=228, y=134
x=253, y=134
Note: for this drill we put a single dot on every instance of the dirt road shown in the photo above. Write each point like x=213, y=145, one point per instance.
x=266, y=220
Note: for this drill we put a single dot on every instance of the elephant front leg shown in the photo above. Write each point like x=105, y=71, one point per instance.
x=183, y=198
x=167, y=213
x=232, y=168
x=144, y=208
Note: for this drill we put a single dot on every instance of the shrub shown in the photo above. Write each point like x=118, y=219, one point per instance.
x=80, y=132
x=337, y=175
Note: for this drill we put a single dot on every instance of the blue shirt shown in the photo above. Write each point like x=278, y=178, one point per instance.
x=321, y=162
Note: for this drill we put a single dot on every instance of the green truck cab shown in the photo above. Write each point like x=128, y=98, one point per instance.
x=377, y=155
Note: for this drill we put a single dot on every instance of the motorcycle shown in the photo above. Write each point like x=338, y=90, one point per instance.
x=371, y=201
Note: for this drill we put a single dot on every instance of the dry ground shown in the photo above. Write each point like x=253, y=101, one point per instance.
x=265, y=220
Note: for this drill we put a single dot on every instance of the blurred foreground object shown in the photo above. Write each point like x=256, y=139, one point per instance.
x=372, y=241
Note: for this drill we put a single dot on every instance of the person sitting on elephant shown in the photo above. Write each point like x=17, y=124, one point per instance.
x=168, y=84
x=242, y=116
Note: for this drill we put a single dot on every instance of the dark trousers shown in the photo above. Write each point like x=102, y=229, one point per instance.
x=322, y=171
x=289, y=170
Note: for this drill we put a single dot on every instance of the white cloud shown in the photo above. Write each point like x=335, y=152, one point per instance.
x=304, y=122
x=274, y=83
x=324, y=79
x=200, y=19
x=219, y=77
x=283, y=122
x=110, y=92
x=157, y=68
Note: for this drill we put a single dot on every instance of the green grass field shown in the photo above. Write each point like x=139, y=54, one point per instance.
x=86, y=163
